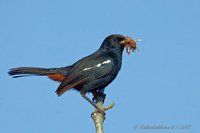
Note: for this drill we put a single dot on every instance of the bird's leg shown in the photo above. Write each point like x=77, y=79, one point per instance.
x=98, y=94
x=83, y=94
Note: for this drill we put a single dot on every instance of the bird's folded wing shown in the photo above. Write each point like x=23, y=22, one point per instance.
x=87, y=74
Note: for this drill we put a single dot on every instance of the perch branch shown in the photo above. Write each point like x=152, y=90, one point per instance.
x=99, y=118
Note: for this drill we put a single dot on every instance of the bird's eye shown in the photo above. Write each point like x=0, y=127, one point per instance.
x=115, y=39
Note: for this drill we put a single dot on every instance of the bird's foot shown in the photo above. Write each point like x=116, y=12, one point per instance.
x=100, y=109
x=97, y=95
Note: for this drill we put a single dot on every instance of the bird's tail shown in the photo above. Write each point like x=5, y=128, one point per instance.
x=30, y=71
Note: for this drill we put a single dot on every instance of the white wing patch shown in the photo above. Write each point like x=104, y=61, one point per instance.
x=88, y=68
x=106, y=62
x=98, y=65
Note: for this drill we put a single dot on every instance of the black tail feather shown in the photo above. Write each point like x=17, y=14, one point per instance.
x=28, y=71
x=27, y=75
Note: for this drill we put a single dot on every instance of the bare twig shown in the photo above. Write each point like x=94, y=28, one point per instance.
x=99, y=118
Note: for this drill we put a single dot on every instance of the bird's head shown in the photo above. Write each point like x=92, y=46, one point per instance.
x=116, y=43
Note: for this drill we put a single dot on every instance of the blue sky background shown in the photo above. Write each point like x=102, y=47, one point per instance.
x=160, y=85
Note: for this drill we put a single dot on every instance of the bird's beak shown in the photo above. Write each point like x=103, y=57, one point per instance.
x=129, y=44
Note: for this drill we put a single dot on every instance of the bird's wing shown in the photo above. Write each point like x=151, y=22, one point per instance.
x=86, y=71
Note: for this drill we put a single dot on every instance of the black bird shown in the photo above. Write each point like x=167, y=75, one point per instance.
x=90, y=74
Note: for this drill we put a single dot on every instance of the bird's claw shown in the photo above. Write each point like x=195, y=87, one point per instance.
x=98, y=94
x=101, y=111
